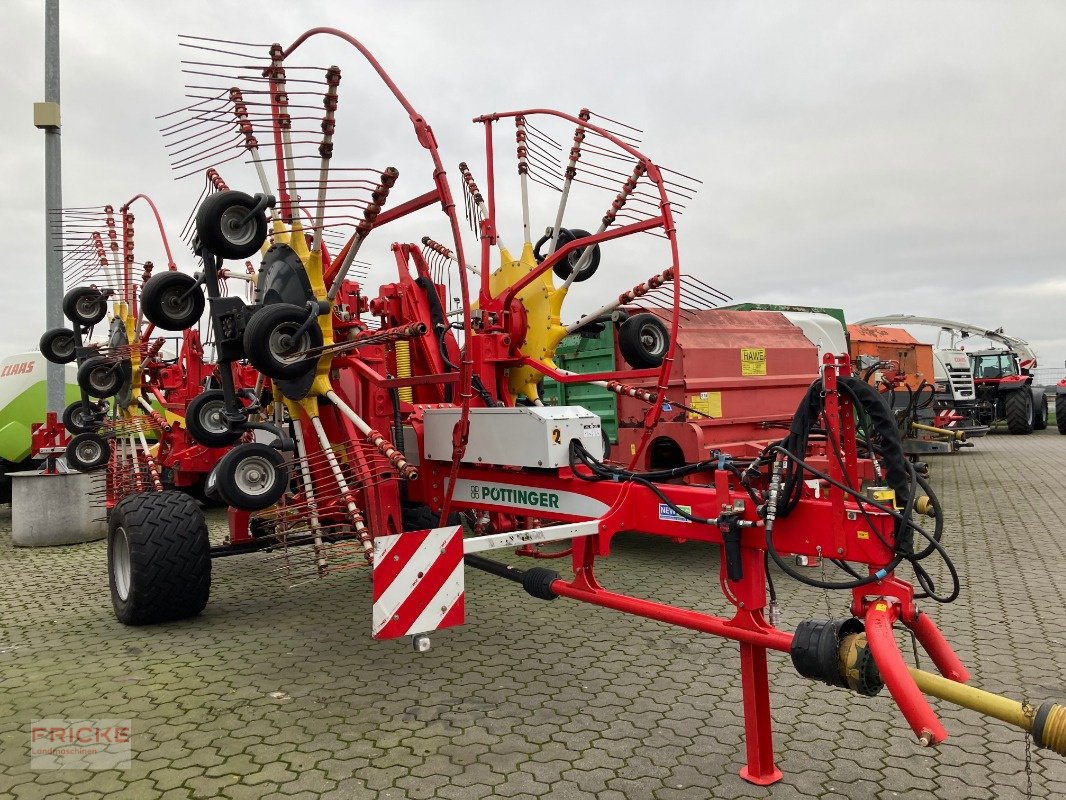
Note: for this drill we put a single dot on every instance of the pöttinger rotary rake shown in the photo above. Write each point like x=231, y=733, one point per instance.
x=408, y=434
x=132, y=416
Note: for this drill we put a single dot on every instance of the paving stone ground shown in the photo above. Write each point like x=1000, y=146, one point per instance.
x=280, y=693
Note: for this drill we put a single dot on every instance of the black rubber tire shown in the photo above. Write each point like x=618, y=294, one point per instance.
x=1040, y=414
x=1018, y=409
x=211, y=490
x=59, y=345
x=79, y=419
x=1060, y=413
x=169, y=558
x=420, y=518
x=263, y=346
x=566, y=266
x=205, y=420
x=88, y=451
x=85, y=306
x=643, y=341
x=172, y=301
x=216, y=220
x=100, y=377
x=235, y=475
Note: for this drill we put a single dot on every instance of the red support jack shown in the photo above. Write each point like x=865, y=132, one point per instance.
x=759, y=738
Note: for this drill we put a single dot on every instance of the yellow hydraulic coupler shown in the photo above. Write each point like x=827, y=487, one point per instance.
x=924, y=505
x=1047, y=724
x=947, y=433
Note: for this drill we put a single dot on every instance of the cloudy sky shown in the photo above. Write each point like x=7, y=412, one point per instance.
x=905, y=157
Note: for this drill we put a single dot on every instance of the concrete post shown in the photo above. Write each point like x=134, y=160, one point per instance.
x=53, y=200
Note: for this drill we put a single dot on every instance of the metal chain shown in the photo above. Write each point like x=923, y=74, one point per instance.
x=825, y=592
x=1028, y=766
x=1029, y=712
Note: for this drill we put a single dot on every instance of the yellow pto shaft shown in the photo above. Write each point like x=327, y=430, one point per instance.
x=1047, y=724
x=947, y=433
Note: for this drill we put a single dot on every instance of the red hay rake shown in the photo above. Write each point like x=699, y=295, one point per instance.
x=401, y=415
x=130, y=419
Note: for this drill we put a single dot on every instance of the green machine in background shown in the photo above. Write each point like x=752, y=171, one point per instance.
x=586, y=352
x=22, y=403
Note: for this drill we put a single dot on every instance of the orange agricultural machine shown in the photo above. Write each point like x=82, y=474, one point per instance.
x=934, y=406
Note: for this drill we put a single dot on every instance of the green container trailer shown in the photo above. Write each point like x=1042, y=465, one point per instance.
x=586, y=353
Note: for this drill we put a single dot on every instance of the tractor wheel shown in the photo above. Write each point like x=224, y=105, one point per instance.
x=566, y=266
x=205, y=419
x=100, y=377
x=270, y=346
x=85, y=306
x=252, y=476
x=1060, y=413
x=1018, y=406
x=88, y=451
x=219, y=224
x=158, y=558
x=172, y=301
x=643, y=341
x=79, y=418
x=59, y=346
x=1040, y=414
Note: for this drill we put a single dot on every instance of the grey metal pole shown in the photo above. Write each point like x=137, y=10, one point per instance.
x=53, y=200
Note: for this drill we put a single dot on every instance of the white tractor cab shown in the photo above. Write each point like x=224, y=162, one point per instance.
x=955, y=402
x=1003, y=388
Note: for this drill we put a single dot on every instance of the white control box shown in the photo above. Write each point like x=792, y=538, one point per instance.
x=527, y=436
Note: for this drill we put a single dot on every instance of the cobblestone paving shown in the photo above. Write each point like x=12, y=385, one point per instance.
x=280, y=692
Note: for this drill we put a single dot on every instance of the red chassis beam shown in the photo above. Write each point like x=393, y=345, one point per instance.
x=827, y=526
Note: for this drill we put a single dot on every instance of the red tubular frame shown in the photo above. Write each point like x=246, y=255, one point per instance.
x=880, y=617
x=425, y=137
x=818, y=526
x=755, y=636
x=665, y=220
x=159, y=223
x=947, y=662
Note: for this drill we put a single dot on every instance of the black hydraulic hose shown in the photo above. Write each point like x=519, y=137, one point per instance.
x=820, y=584
x=938, y=516
x=923, y=577
x=769, y=578
x=870, y=400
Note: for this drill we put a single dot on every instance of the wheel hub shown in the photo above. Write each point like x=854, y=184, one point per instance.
x=285, y=346
x=253, y=475
x=234, y=227
x=102, y=378
x=177, y=303
x=89, y=452
x=214, y=419
x=120, y=563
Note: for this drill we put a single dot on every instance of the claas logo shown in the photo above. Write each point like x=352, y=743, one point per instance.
x=17, y=369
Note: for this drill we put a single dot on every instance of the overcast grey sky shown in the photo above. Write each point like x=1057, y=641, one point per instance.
x=904, y=157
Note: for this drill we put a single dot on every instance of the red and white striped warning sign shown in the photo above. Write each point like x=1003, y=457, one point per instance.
x=418, y=582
